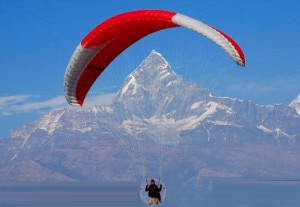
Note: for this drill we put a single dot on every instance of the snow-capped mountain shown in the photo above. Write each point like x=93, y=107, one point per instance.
x=192, y=132
x=155, y=95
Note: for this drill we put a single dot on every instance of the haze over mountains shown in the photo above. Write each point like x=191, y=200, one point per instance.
x=158, y=125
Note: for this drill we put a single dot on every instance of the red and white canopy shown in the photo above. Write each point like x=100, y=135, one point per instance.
x=105, y=42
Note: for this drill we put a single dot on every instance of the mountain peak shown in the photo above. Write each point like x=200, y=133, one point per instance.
x=155, y=89
x=155, y=54
x=155, y=62
x=153, y=72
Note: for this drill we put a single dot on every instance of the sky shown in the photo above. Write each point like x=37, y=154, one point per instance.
x=39, y=37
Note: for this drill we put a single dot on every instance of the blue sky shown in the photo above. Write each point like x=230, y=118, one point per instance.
x=39, y=37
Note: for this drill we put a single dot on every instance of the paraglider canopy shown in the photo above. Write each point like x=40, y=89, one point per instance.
x=105, y=42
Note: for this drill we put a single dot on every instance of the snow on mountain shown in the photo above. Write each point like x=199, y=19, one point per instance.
x=296, y=104
x=49, y=123
x=148, y=76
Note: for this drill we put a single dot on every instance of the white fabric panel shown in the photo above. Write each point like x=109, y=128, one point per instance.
x=210, y=33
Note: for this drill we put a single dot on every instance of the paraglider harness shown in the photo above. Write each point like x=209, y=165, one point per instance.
x=153, y=191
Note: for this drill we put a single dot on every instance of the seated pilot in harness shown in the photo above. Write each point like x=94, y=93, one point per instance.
x=154, y=192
